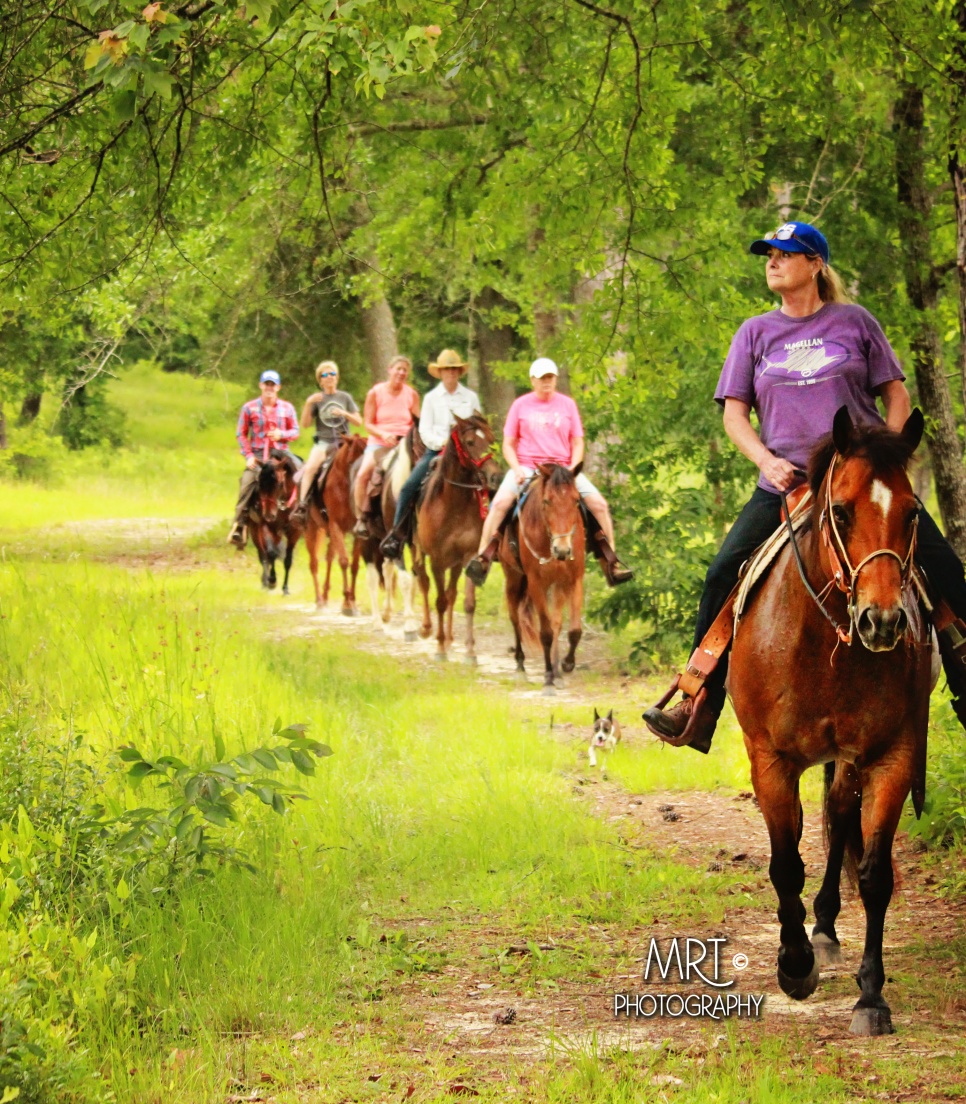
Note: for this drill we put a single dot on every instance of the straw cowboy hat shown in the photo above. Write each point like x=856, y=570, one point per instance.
x=448, y=358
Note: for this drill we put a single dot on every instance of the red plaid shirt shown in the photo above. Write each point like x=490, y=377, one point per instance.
x=255, y=423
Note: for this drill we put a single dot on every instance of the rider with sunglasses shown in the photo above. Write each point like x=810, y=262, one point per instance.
x=330, y=411
x=795, y=366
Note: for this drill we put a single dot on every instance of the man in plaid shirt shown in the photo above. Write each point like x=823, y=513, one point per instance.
x=266, y=419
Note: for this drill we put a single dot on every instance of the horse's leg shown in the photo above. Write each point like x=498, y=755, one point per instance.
x=515, y=591
x=389, y=578
x=419, y=566
x=576, y=631
x=454, y=578
x=439, y=578
x=406, y=584
x=289, y=553
x=883, y=793
x=340, y=552
x=354, y=575
x=776, y=787
x=329, y=556
x=842, y=822
x=539, y=599
x=469, y=608
x=372, y=578
x=313, y=538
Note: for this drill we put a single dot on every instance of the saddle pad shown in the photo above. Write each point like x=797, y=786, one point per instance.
x=761, y=560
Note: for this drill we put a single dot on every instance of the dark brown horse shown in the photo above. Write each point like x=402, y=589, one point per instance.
x=806, y=691
x=274, y=531
x=542, y=554
x=449, y=522
x=331, y=515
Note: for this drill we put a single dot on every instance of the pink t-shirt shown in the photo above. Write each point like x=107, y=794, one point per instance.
x=544, y=430
x=393, y=413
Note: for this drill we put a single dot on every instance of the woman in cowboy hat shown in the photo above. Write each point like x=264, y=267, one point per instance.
x=330, y=411
x=440, y=409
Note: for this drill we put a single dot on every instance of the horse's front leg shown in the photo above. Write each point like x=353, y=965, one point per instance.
x=289, y=553
x=844, y=830
x=340, y=552
x=389, y=579
x=469, y=609
x=576, y=631
x=776, y=787
x=883, y=793
x=439, y=579
x=419, y=567
x=313, y=538
x=547, y=637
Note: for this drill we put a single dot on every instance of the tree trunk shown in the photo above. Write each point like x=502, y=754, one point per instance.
x=491, y=345
x=30, y=408
x=957, y=172
x=922, y=288
x=380, y=333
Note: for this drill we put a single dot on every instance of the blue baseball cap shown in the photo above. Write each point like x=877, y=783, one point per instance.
x=793, y=237
x=270, y=376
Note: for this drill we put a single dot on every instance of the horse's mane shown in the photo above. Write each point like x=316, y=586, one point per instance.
x=885, y=450
x=560, y=477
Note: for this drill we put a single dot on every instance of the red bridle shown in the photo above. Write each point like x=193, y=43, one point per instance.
x=468, y=462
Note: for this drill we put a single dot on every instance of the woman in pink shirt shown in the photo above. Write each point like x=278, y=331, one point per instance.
x=544, y=427
x=391, y=408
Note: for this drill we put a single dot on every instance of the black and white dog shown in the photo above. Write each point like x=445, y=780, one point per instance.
x=607, y=735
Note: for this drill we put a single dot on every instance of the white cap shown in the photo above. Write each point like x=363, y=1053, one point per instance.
x=543, y=366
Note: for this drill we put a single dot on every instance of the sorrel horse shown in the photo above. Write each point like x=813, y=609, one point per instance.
x=331, y=514
x=449, y=522
x=805, y=691
x=542, y=554
x=274, y=532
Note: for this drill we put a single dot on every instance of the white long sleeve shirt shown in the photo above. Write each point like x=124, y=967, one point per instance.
x=439, y=412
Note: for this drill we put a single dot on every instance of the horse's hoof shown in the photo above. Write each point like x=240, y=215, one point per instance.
x=827, y=950
x=520, y=675
x=285, y=590
x=426, y=632
x=799, y=988
x=567, y=666
x=385, y=618
x=410, y=637
x=549, y=692
x=441, y=657
x=472, y=660
x=871, y=1021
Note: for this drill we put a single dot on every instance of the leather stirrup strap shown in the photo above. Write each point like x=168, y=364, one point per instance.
x=705, y=657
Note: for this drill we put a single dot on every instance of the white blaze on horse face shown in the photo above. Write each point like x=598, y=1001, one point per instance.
x=480, y=434
x=881, y=496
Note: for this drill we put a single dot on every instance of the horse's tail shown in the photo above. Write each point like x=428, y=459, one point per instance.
x=854, y=847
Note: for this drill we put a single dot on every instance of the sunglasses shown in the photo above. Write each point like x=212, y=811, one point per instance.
x=325, y=375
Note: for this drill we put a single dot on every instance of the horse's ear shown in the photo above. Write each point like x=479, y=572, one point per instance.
x=912, y=430
x=842, y=430
x=546, y=470
x=578, y=469
x=460, y=421
x=596, y=714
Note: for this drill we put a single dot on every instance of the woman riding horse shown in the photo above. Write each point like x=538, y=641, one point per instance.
x=795, y=366
x=265, y=419
x=441, y=407
x=544, y=427
x=331, y=411
x=390, y=409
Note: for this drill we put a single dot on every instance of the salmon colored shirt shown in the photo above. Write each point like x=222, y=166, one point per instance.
x=393, y=413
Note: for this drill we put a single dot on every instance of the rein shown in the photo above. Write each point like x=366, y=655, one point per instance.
x=832, y=539
x=467, y=461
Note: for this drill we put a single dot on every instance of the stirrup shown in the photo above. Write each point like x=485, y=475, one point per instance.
x=391, y=546
x=477, y=570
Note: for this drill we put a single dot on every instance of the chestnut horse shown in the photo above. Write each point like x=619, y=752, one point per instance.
x=804, y=694
x=274, y=532
x=542, y=553
x=331, y=514
x=449, y=522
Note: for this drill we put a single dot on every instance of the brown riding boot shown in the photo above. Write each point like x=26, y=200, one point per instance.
x=614, y=571
x=479, y=567
x=691, y=722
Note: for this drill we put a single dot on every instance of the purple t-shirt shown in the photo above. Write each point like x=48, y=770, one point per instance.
x=797, y=372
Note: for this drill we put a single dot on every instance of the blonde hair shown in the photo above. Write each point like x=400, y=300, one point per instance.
x=399, y=359
x=326, y=365
x=831, y=289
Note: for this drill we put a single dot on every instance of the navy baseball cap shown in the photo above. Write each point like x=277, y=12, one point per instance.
x=793, y=237
x=271, y=376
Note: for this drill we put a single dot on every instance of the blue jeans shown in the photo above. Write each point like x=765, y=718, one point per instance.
x=407, y=496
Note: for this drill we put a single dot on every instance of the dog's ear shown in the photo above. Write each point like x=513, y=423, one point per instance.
x=596, y=714
x=610, y=715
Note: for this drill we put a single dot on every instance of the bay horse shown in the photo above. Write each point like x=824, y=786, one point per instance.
x=449, y=521
x=274, y=531
x=331, y=515
x=543, y=553
x=805, y=694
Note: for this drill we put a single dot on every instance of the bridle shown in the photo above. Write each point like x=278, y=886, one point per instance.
x=542, y=560
x=479, y=488
x=844, y=576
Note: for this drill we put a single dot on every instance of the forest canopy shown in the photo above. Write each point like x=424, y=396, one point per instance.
x=226, y=186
